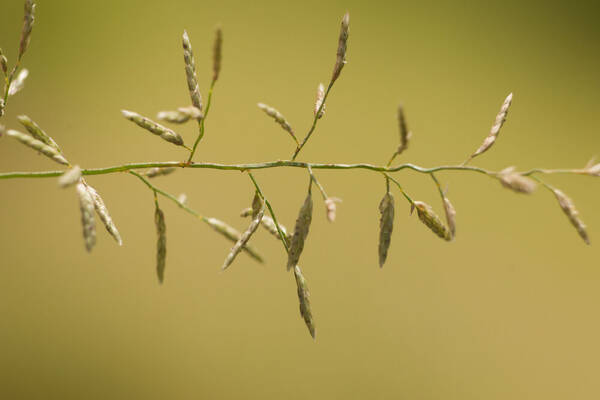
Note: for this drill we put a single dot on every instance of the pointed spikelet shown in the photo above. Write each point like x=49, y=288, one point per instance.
x=217, y=53
x=450, y=216
x=86, y=205
x=319, y=102
x=37, y=132
x=182, y=115
x=28, y=21
x=190, y=72
x=70, y=177
x=269, y=225
x=161, y=243
x=342, y=46
x=493, y=135
x=243, y=240
x=511, y=179
x=35, y=144
x=304, y=299
x=3, y=63
x=386, y=226
x=405, y=134
x=159, y=171
x=151, y=126
x=233, y=235
x=431, y=220
x=18, y=83
x=571, y=212
x=102, y=212
x=300, y=232
x=279, y=118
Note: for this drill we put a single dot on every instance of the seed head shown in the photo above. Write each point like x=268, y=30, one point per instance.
x=37, y=132
x=217, y=53
x=244, y=238
x=102, y=212
x=571, y=212
x=35, y=144
x=182, y=115
x=233, y=235
x=342, y=46
x=511, y=179
x=304, y=299
x=153, y=127
x=161, y=243
x=279, y=118
x=386, y=226
x=300, y=232
x=431, y=220
x=28, y=21
x=86, y=205
x=190, y=72
x=493, y=135
x=70, y=177
x=405, y=134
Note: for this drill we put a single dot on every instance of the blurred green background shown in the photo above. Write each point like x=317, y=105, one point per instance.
x=508, y=310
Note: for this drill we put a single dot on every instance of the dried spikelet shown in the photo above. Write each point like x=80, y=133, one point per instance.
x=405, y=134
x=431, y=220
x=269, y=225
x=35, y=144
x=159, y=171
x=37, y=132
x=304, y=299
x=571, y=212
x=342, y=45
x=450, y=215
x=243, y=240
x=279, y=118
x=86, y=205
x=153, y=127
x=104, y=215
x=300, y=232
x=70, y=177
x=231, y=234
x=27, y=27
x=257, y=205
x=511, y=179
x=161, y=243
x=386, y=226
x=190, y=72
x=592, y=169
x=491, y=138
x=3, y=63
x=331, y=208
x=182, y=115
x=18, y=83
x=217, y=53
x=319, y=101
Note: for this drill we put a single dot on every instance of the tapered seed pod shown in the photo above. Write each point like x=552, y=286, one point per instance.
x=342, y=46
x=151, y=126
x=233, y=235
x=3, y=63
x=86, y=205
x=571, y=212
x=279, y=118
x=159, y=171
x=102, y=212
x=70, y=177
x=28, y=21
x=217, y=53
x=511, y=179
x=319, y=101
x=181, y=115
x=37, y=132
x=190, y=72
x=35, y=144
x=243, y=240
x=161, y=243
x=450, y=215
x=386, y=226
x=431, y=220
x=18, y=83
x=300, y=232
x=493, y=135
x=405, y=134
x=304, y=299
x=269, y=225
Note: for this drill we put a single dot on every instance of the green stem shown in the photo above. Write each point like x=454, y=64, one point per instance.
x=314, y=179
x=399, y=187
x=201, y=122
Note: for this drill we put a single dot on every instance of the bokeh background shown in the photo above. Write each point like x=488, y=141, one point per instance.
x=508, y=310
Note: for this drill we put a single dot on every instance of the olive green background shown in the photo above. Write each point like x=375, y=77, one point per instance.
x=507, y=311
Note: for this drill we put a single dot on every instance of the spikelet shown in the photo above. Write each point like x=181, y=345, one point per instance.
x=431, y=220
x=450, y=215
x=86, y=205
x=217, y=53
x=269, y=225
x=300, y=232
x=181, y=115
x=591, y=168
x=279, y=118
x=231, y=234
x=511, y=179
x=304, y=299
x=190, y=72
x=386, y=226
x=342, y=45
x=243, y=240
x=319, y=101
x=331, y=208
x=161, y=243
x=18, y=83
x=257, y=205
x=2, y=107
x=70, y=177
x=159, y=171
x=491, y=138
x=35, y=144
x=28, y=21
x=405, y=134
x=37, y=132
x=571, y=212
x=3, y=63
x=182, y=198
x=102, y=212
x=153, y=127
